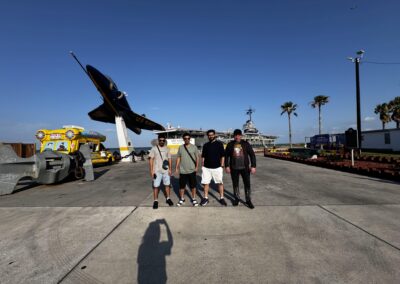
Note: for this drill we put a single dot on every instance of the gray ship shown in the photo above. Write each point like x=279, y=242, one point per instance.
x=251, y=134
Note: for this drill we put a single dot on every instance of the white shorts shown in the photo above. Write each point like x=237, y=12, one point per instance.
x=208, y=174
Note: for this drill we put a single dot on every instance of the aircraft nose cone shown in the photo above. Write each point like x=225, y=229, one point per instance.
x=99, y=79
x=92, y=71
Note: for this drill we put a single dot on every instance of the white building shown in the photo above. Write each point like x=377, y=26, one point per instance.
x=388, y=139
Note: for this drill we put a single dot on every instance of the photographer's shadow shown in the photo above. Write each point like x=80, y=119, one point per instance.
x=152, y=254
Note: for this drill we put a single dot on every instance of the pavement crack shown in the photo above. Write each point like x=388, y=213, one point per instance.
x=96, y=246
x=358, y=227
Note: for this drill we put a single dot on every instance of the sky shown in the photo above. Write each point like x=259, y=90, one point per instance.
x=197, y=64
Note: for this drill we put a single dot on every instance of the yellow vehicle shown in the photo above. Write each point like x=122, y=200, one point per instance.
x=69, y=139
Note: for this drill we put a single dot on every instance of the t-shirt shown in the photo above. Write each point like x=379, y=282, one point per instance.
x=238, y=157
x=212, y=154
x=157, y=167
x=187, y=165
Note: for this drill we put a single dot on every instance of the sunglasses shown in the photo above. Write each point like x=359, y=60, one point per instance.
x=186, y=138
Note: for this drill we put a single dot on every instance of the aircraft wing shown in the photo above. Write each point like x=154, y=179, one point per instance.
x=134, y=120
x=103, y=114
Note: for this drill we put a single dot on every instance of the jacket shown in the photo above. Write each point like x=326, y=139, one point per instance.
x=247, y=151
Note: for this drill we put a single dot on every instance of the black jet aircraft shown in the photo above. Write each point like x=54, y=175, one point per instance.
x=115, y=103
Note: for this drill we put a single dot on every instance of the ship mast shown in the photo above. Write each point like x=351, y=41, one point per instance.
x=250, y=111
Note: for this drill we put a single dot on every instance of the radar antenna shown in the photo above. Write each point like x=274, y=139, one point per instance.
x=250, y=111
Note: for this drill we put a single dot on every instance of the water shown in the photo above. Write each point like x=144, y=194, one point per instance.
x=137, y=149
x=112, y=150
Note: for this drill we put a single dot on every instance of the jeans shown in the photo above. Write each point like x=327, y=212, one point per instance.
x=161, y=176
x=246, y=180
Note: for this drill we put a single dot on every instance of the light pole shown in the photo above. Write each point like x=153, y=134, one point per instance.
x=356, y=61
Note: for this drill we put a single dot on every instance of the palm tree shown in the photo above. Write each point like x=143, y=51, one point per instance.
x=319, y=101
x=394, y=109
x=289, y=108
x=384, y=115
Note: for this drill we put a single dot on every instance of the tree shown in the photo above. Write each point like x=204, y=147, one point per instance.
x=394, y=110
x=289, y=108
x=384, y=114
x=319, y=101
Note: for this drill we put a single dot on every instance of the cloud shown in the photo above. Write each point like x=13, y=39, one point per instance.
x=369, y=118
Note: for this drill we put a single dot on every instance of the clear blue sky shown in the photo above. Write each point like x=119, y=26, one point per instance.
x=196, y=63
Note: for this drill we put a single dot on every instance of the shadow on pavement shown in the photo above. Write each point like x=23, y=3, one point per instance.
x=379, y=180
x=188, y=191
x=175, y=186
x=98, y=174
x=24, y=184
x=213, y=192
x=152, y=253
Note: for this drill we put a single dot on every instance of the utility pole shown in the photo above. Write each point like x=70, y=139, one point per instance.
x=359, y=136
x=356, y=61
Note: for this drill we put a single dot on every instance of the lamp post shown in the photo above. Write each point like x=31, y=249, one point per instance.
x=356, y=61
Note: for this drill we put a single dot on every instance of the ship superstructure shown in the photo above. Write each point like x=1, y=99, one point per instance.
x=250, y=133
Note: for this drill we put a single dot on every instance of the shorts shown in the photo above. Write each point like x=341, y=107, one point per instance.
x=161, y=176
x=185, y=178
x=208, y=174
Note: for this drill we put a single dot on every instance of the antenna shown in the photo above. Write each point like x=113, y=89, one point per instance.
x=250, y=111
x=84, y=70
x=76, y=59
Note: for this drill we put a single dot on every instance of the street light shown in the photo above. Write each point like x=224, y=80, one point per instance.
x=356, y=61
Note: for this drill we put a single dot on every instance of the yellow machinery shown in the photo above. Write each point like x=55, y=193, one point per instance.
x=70, y=138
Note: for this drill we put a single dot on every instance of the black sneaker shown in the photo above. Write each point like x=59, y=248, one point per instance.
x=250, y=204
x=155, y=204
x=222, y=201
x=235, y=202
x=204, y=202
x=169, y=202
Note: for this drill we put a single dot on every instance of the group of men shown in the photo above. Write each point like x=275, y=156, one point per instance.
x=237, y=158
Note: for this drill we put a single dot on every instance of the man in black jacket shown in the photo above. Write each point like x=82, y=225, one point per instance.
x=237, y=163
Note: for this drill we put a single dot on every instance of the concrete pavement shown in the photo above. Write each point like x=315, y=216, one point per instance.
x=309, y=225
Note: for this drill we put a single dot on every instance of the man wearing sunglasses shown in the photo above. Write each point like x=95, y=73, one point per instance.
x=160, y=169
x=213, y=155
x=187, y=163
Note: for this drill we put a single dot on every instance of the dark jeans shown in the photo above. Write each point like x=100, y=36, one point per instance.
x=246, y=180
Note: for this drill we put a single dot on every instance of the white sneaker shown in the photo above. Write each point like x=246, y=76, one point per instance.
x=180, y=202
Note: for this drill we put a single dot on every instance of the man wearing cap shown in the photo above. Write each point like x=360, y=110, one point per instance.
x=237, y=162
